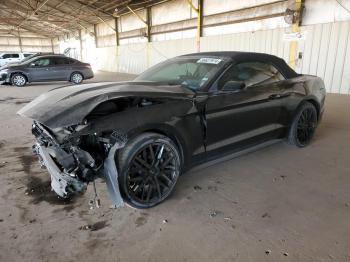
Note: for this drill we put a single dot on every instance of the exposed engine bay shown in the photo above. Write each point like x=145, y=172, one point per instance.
x=73, y=162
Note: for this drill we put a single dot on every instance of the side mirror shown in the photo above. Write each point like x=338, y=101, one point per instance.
x=233, y=86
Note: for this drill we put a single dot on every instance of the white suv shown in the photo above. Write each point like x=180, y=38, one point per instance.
x=6, y=58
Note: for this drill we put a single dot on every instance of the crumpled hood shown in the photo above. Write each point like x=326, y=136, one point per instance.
x=66, y=106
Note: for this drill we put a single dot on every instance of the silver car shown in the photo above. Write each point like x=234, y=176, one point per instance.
x=46, y=68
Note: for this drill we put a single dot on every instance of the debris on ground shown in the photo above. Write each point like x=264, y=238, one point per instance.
x=165, y=221
x=227, y=218
x=213, y=188
x=266, y=215
x=214, y=213
x=1, y=220
x=94, y=227
x=197, y=188
x=85, y=227
x=285, y=254
x=268, y=252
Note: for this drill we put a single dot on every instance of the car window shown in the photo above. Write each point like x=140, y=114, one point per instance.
x=15, y=55
x=187, y=71
x=251, y=73
x=70, y=61
x=61, y=61
x=173, y=71
x=26, y=55
x=6, y=56
x=41, y=62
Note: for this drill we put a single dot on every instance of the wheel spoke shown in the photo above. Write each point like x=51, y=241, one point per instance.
x=143, y=162
x=162, y=184
x=158, y=187
x=136, y=179
x=142, y=193
x=139, y=187
x=166, y=162
x=163, y=175
x=152, y=156
x=160, y=153
x=150, y=189
x=140, y=167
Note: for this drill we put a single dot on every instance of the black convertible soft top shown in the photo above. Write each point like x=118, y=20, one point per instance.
x=239, y=57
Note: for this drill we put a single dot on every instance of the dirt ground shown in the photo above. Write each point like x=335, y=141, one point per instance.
x=280, y=203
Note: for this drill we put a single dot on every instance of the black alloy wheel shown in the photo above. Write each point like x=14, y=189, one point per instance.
x=151, y=172
x=304, y=125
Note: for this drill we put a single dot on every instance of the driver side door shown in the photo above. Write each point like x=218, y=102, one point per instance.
x=41, y=70
x=237, y=119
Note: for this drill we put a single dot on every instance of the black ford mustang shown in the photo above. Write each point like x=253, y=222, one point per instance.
x=141, y=135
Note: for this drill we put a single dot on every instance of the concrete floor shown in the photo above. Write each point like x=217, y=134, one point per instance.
x=277, y=204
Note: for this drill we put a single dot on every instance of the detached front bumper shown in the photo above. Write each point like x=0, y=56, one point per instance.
x=62, y=183
x=72, y=168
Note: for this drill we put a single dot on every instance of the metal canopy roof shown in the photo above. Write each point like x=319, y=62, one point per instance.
x=51, y=18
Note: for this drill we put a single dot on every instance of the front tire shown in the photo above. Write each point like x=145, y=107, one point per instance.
x=76, y=78
x=18, y=79
x=149, y=167
x=303, y=126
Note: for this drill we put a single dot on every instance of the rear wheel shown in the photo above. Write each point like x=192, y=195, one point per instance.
x=76, y=78
x=303, y=126
x=18, y=79
x=149, y=168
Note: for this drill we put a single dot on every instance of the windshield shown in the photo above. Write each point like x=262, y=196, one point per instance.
x=191, y=72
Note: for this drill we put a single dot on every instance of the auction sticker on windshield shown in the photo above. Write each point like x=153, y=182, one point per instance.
x=209, y=60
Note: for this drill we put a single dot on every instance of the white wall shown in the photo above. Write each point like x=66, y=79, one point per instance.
x=325, y=46
x=29, y=44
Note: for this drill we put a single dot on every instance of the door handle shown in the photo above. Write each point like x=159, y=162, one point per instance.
x=278, y=96
x=275, y=96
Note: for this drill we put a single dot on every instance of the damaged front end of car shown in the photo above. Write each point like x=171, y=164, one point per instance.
x=80, y=129
x=74, y=160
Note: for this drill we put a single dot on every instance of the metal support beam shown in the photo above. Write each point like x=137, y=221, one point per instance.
x=95, y=33
x=20, y=41
x=116, y=31
x=295, y=29
x=80, y=46
x=199, y=11
x=200, y=18
x=149, y=23
x=137, y=15
x=37, y=9
x=52, y=48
